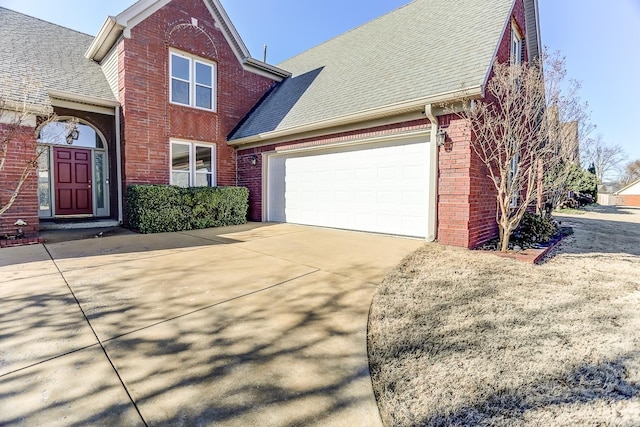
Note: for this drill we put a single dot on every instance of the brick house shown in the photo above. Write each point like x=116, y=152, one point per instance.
x=629, y=195
x=344, y=135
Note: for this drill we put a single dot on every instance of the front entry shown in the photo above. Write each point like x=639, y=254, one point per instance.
x=73, y=174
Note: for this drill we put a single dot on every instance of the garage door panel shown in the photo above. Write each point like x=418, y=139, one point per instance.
x=378, y=188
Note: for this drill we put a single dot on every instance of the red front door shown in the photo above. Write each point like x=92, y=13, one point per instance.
x=72, y=168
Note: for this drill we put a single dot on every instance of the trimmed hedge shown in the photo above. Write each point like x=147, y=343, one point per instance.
x=165, y=208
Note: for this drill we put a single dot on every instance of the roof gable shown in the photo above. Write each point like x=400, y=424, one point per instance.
x=425, y=51
x=121, y=26
x=631, y=189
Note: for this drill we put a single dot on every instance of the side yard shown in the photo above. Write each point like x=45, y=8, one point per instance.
x=462, y=337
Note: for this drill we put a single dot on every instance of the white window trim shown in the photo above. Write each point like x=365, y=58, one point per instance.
x=514, y=169
x=516, y=45
x=192, y=164
x=193, y=60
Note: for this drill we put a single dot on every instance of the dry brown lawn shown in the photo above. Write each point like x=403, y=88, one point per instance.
x=461, y=337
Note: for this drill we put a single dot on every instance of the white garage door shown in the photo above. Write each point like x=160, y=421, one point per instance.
x=381, y=188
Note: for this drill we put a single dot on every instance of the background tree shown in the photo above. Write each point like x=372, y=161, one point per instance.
x=568, y=123
x=606, y=158
x=582, y=181
x=520, y=128
x=20, y=108
x=631, y=173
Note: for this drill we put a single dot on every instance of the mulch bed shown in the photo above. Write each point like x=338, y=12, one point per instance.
x=532, y=253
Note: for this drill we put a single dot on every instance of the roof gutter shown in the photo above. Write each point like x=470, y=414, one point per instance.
x=371, y=114
x=82, y=99
x=263, y=66
x=106, y=38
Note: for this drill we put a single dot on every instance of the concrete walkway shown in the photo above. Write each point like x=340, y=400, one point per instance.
x=255, y=325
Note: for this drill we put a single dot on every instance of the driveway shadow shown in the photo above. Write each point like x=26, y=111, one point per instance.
x=198, y=330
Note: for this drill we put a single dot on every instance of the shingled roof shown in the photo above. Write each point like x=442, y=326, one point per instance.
x=48, y=54
x=424, y=49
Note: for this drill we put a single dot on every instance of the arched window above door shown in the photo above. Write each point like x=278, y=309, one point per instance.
x=71, y=133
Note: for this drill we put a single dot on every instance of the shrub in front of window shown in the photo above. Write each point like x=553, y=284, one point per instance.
x=166, y=208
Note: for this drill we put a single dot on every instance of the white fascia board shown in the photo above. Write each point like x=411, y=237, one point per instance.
x=113, y=27
x=10, y=117
x=104, y=41
x=388, y=110
x=253, y=65
x=228, y=26
x=82, y=102
x=138, y=13
x=238, y=47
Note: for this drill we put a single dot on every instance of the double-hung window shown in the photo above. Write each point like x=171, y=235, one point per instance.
x=517, y=49
x=193, y=81
x=193, y=164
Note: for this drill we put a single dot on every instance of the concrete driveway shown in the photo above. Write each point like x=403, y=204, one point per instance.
x=258, y=324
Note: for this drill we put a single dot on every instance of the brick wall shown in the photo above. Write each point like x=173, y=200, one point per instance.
x=482, y=194
x=504, y=49
x=21, y=148
x=628, y=200
x=149, y=120
x=458, y=183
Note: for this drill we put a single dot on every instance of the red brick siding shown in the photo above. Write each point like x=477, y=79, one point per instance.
x=629, y=200
x=457, y=224
x=482, y=194
x=504, y=51
x=454, y=185
x=21, y=148
x=150, y=120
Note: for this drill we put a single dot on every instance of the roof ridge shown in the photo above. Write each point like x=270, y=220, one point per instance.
x=47, y=22
x=346, y=32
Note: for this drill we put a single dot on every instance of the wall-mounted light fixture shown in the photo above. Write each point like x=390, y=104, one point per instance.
x=441, y=137
x=73, y=135
x=254, y=160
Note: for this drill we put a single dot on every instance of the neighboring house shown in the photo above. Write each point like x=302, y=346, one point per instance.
x=343, y=135
x=629, y=195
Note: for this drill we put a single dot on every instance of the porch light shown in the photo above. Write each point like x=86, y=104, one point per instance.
x=73, y=135
x=254, y=160
x=441, y=137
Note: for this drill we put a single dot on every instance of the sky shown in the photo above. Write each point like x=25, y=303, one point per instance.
x=600, y=42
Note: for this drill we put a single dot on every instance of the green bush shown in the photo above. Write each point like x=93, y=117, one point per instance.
x=535, y=228
x=164, y=208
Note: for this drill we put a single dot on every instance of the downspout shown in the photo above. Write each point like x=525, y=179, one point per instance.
x=119, y=165
x=432, y=218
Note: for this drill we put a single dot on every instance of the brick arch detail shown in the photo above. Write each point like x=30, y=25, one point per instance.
x=172, y=38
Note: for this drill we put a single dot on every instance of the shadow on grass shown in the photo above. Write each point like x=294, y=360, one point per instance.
x=605, y=382
x=602, y=236
x=458, y=338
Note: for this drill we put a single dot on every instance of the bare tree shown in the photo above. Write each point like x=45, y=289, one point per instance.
x=568, y=123
x=20, y=111
x=631, y=173
x=605, y=157
x=520, y=129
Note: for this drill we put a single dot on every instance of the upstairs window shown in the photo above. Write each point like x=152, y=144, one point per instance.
x=192, y=81
x=517, y=48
